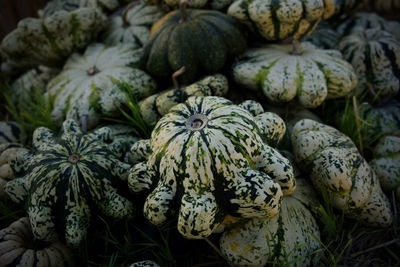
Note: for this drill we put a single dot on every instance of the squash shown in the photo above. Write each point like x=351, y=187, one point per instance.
x=385, y=119
x=279, y=20
x=345, y=7
x=56, y=5
x=214, y=4
x=388, y=8
x=386, y=163
x=133, y=25
x=104, y=5
x=304, y=72
x=65, y=178
x=324, y=36
x=290, y=238
x=11, y=132
x=86, y=85
x=124, y=136
x=336, y=167
x=18, y=247
x=51, y=40
x=207, y=161
x=155, y=106
x=375, y=56
x=202, y=41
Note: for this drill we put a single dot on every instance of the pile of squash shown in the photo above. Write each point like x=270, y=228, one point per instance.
x=234, y=94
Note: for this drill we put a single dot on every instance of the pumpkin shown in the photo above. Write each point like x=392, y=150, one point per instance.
x=56, y=5
x=11, y=132
x=284, y=72
x=386, y=163
x=291, y=237
x=214, y=4
x=375, y=56
x=324, y=36
x=86, y=85
x=336, y=167
x=133, y=25
x=65, y=178
x=207, y=161
x=51, y=40
x=155, y=106
x=279, y=20
x=18, y=247
x=202, y=41
x=384, y=118
x=362, y=21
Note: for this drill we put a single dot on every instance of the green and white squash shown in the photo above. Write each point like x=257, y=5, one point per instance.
x=18, y=247
x=385, y=119
x=324, y=36
x=279, y=20
x=11, y=132
x=304, y=72
x=104, y=5
x=375, y=56
x=386, y=163
x=155, y=106
x=146, y=263
x=66, y=178
x=202, y=41
x=388, y=8
x=132, y=25
x=290, y=238
x=51, y=40
x=207, y=161
x=87, y=84
x=335, y=166
x=56, y=5
x=214, y=4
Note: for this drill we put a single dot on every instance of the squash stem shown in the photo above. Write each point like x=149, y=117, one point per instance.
x=296, y=47
x=125, y=22
x=175, y=76
x=183, y=10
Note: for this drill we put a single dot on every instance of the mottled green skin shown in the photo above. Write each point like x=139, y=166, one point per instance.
x=311, y=77
x=203, y=44
x=51, y=40
x=146, y=263
x=155, y=106
x=375, y=56
x=335, y=165
x=105, y=5
x=57, y=5
x=11, y=132
x=79, y=93
x=205, y=174
x=384, y=119
x=293, y=234
x=386, y=163
x=324, y=36
x=61, y=194
x=17, y=249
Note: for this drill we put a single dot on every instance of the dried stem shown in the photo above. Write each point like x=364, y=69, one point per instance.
x=358, y=124
x=175, y=76
x=183, y=9
x=296, y=47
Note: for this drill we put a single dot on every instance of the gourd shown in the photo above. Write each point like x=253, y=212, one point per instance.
x=301, y=71
x=279, y=20
x=336, y=167
x=155, y=106
x=51, y=40
x=124, y=137
x=56, y=5
x=88, y=84
x=133, y=25
x=324, y=36
x=208, y=160
x=384, y=118
x=375, y=56
x=146, y=263
x=18, y=247
x=290, y=238
x=202, y=41
x=386, y=163
x=388, y=8
x=105, y=5
x=214, y=4
x=11, y=132
x=65, y=178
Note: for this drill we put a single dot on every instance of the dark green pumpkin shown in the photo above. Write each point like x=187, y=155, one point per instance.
x=202, y=43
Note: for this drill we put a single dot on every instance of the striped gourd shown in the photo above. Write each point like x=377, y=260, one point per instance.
x=207, y=161
x=386, y=163
x=104, y=5
x=146, y=263
x=65, y=178
x=56, y=5
x=279, y=20
x=51, y=40
x=11, y=132
x=155, y=106
x=324, y=36
x=388, y=8
x=283, y=73
x=385, y=119
x=375, y=56
x=289, y=238
x=335, y=166
x=86, y=85
x=133, y=25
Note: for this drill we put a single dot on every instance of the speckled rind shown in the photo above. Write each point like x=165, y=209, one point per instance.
x=56, y=185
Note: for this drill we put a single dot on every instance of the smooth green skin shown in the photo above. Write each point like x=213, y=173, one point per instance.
x=61, y=193
x=203, y=44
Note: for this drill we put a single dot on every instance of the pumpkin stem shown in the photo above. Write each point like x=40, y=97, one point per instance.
x=175, y=76
x=183, y=9
x=296, y=47
x=125, y=22
x=93, y=70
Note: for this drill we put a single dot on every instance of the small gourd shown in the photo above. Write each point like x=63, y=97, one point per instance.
x=324, y=36
x=65, y=178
